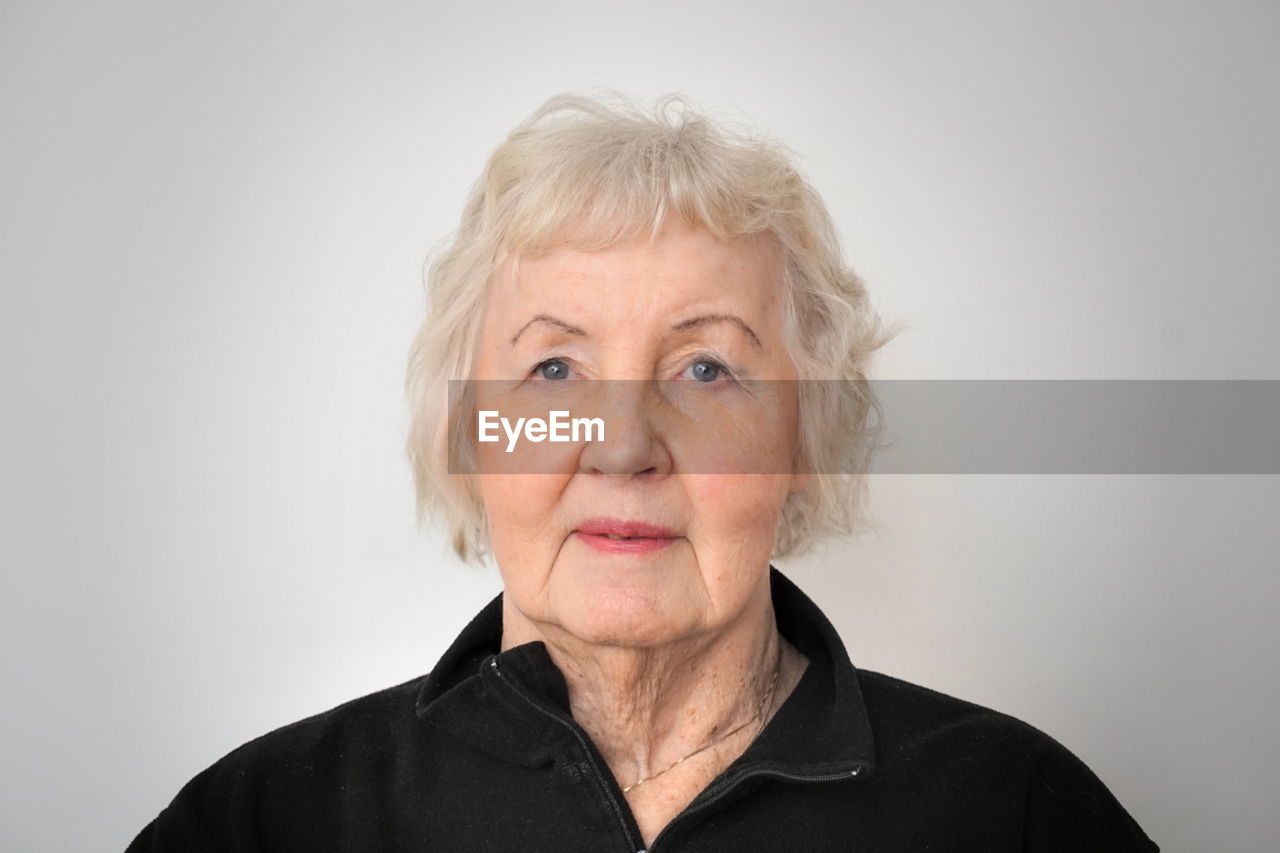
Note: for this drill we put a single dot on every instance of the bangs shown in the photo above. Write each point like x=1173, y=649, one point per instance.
x=592, y=186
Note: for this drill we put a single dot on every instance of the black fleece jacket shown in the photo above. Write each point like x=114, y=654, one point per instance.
x=483, y=754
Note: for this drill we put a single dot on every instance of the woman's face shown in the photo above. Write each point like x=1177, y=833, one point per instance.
x=654, y=534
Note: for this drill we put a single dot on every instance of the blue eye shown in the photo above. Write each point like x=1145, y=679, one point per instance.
x=553, y=368
x=705, y=370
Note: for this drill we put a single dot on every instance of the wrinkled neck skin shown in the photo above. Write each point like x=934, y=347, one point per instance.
x=645, y=708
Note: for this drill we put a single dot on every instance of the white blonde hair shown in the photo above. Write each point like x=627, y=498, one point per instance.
x=590, y=173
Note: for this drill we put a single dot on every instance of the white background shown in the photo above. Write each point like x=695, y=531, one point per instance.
x=214, y=219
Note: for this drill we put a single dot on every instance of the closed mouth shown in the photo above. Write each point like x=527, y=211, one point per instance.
x=617, y=535
x=615, y=529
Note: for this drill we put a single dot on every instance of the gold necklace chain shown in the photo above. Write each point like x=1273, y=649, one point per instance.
x=759, y=715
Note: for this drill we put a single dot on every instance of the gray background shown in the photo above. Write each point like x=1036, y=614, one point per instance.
x=214, y=217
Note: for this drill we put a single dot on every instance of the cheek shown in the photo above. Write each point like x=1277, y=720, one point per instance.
x=734, y=522
x=521, y=510
x=525, y=531
x=738, y=510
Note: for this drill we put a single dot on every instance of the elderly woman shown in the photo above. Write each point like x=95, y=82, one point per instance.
x=646, y=680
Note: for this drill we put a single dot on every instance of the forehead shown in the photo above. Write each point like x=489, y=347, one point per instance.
x=682, y=261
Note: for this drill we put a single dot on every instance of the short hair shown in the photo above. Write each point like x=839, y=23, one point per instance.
x=590, y=173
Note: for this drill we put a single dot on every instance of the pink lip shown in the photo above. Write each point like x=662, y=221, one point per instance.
x=599, y=533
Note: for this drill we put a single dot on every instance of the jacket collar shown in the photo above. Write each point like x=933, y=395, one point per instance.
x=822, y=727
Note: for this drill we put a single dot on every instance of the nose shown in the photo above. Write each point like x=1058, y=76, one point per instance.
x=633, y=445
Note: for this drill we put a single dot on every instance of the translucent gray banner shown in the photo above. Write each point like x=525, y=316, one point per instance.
x=881, y=427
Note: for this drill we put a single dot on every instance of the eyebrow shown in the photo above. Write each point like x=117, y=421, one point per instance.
x=706, y=319
x=567, y=328
x=683, y=325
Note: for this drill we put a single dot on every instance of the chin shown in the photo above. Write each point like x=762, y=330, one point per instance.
x=621, y=617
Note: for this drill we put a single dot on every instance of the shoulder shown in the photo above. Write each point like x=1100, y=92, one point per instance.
x=906, y=716
x=916, y=724
x=289, y=772
x=369, y=720
x=358, y=730
x=970, y=754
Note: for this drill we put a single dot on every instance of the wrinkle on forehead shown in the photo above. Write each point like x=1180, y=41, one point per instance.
x=731, y=256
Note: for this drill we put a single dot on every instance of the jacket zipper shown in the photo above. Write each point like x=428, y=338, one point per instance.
x=738, y=780
x=582, y=741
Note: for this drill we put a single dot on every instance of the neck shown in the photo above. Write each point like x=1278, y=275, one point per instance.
x=647, y=707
